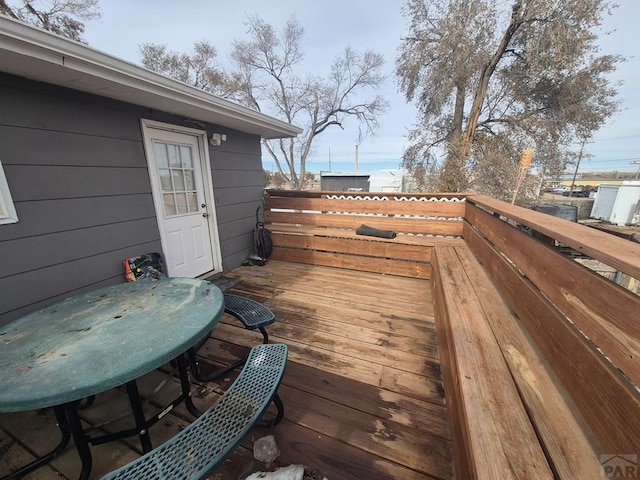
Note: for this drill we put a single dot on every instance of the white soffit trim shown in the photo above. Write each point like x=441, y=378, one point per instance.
x=39, y=55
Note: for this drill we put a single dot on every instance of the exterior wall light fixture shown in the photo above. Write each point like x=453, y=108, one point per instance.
x=217, y=138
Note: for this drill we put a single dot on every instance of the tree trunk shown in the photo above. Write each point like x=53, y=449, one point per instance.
x=459, y=149
x=452, y=174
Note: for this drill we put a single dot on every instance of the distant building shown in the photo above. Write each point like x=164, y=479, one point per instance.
x=619, y=204
x=344, y=181
x=385, y=181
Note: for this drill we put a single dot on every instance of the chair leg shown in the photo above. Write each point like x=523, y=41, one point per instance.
x=215, y=375
x=276, y=420
x=265, y=335
x=218, y=373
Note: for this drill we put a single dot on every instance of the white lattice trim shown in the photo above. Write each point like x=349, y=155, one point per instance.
x=385, y=198
x=431, y=199
x=357, y=197
x=429, y=217
x=427, y=235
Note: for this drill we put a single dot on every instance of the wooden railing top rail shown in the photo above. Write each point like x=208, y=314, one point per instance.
x=617, y=252
x=369, y=207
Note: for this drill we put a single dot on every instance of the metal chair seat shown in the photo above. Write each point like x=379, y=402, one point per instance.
x=251, y=313
x=200, y=448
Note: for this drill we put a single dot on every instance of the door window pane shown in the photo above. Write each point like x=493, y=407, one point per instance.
x=174, y=156
x=169, y=204
x=181, y=203
x=177, y=178
x=165, y=179
x=190, y=179
x=193, y=202
x=187, y=160
x=160, y=153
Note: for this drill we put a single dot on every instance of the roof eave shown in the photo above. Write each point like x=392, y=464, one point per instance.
x=40, y=55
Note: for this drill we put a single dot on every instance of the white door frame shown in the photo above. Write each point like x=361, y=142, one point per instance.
x=205, y=164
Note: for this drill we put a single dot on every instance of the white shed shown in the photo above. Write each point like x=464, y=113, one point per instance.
x=617, y=204
x=386, y=181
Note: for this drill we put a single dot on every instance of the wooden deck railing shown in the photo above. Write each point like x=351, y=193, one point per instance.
x=587, y=327
x=570, y=338
x=319, y=228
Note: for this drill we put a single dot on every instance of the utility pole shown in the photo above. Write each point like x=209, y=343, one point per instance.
x=356, y=157
x=575, y=173
x=525, y=161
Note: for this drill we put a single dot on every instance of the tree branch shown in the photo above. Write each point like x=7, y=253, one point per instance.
x=6, y=10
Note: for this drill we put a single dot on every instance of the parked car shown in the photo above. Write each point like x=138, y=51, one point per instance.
x=559, y=190
x=578, y=191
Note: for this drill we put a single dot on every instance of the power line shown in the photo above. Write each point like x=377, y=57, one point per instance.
x=621, y=137
x=617, y=169
x=613, y=160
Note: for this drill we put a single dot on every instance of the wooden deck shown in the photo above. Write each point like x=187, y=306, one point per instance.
x=362, y=391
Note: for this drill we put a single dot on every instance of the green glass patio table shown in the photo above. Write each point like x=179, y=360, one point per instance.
x=95, y=341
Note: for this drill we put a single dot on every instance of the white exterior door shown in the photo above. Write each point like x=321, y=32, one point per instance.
x=183, y=198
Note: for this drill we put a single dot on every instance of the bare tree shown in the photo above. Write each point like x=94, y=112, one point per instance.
x=265, y=67
x=265, y=76
x=198, y=68
x=491, y=80
x=64, y=17
x=274, y=180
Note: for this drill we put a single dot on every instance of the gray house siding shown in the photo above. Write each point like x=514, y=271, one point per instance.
x=238, y=184
x=78, y=176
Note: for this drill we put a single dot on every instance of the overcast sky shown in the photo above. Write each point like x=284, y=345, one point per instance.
x=331, y=25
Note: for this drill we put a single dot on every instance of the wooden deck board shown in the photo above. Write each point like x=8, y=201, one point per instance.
x=362, y=391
